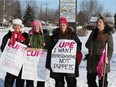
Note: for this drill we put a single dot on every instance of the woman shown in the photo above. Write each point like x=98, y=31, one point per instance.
x=36, y=40
x=16, y=33
x=63, y=32
x=97, y=41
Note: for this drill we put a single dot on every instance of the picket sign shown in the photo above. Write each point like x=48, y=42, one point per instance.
x=12, y=59
x=63, y=57
x=34, y=67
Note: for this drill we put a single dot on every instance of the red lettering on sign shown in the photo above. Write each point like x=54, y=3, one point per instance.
x=66, y=44
x=35, y=53
x=16, y=46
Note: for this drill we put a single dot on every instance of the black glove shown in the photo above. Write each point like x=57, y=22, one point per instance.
x=86, y=57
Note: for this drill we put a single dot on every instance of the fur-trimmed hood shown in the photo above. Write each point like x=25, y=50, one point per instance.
x=111, y=30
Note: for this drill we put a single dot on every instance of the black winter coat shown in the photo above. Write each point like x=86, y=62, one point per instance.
x=54, y=39
x=8, y=36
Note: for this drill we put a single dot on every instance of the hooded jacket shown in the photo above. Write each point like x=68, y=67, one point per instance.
x=96, y=47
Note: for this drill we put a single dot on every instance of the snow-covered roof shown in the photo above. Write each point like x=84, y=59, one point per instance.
x=109, y=19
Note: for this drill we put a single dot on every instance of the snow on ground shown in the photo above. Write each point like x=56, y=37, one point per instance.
x=81, y=80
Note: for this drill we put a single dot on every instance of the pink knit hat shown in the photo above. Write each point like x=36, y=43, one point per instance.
x=35, y=23
x=63, y=20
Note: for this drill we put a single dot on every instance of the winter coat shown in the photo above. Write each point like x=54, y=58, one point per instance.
x=96, y=47
x=54, y=39
x=36, y=40
x=8, y=36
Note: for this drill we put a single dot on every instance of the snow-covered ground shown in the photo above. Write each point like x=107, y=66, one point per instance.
x=81, y=80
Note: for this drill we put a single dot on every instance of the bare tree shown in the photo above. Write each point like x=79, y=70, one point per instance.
x=52, y=15
x=9, y=9
x=17, y=10
x=41, y=10
x=56, y=15
x=91, y=8
x=1, y=10
x=107, y=14
x=81, y=18
x=47, y=14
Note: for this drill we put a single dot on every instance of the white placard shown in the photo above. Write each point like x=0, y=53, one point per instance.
x=63, y=56
x=34, y=67
x=12, y=58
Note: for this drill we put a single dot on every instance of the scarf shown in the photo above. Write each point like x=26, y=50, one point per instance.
x=16, y=36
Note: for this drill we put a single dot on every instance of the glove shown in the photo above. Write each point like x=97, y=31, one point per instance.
x=86, y=57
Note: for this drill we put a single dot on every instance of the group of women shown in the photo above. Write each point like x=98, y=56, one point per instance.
x=36, y=38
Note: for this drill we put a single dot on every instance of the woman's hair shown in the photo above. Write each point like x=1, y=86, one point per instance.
x=103, y=19
x=100, y=35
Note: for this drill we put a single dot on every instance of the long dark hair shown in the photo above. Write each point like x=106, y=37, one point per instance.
x=100, y=36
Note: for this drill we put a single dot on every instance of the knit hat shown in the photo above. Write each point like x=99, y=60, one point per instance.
x=35, y=23
x=63, y=20
x=18, y=22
